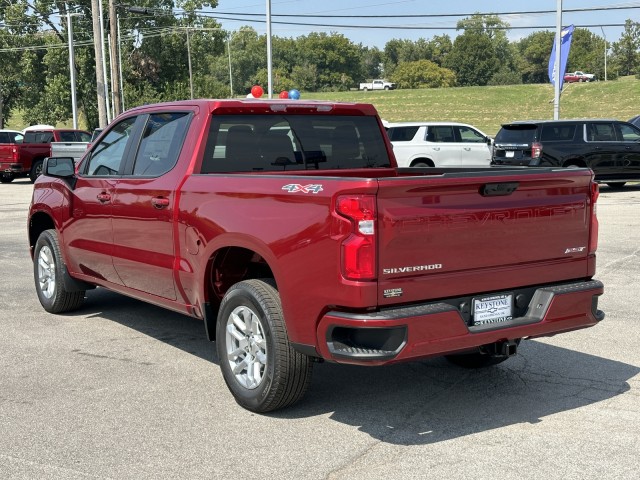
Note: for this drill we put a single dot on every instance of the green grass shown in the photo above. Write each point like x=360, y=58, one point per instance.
x=485, y=107
x=488, y=107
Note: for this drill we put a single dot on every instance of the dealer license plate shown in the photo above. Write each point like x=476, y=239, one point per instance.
x=493, y=309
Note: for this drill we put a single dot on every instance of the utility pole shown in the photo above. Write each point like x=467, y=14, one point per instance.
x=115, y=66
x=72, y=67
x=97, y=43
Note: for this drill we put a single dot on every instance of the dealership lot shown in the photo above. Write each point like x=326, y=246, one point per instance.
x=121, y=389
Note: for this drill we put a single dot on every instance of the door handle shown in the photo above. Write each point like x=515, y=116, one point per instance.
x=160, y=202
x=436, y=149
x=104, y=197
x=467, y=148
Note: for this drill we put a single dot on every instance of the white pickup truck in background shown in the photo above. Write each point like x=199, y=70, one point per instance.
x=75, y=150
x=378, y=85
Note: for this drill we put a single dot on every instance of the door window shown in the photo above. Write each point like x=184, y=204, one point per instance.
x=441, y=133
x=161, y=143
x=629, y=134
x=469, y=135
x=106, y=158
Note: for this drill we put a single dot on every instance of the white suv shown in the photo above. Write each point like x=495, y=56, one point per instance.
x=439, y=144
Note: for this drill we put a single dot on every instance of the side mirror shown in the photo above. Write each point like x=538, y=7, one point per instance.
x=489, y=141
x=60, y=167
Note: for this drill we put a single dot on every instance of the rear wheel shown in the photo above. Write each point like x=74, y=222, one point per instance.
x=6, y=178
x=616, y=185
x=48, y=272
x=422, y=164
x=36, y=170
x=258, y=363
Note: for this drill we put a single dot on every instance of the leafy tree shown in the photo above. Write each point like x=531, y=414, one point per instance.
x=586, y=53
x=480, y=51
x=472, y=59
x=626, y=51
x=535, y=51
x=423, y=74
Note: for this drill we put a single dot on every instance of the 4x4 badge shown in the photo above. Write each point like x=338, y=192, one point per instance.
x=294, y=187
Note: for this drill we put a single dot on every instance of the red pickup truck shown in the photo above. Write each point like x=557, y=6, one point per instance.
x=25, y=159
x=288, y=229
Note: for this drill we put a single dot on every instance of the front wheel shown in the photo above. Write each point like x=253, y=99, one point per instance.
x=259, y=365
x=36, y=170
x=48, y=272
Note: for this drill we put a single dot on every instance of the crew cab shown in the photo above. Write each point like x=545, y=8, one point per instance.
x=377, y=85
x=579, y=76
x=289, y=230
x=25, y=158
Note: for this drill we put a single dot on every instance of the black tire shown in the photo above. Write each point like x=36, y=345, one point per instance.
x=36, y=170
x=421, y=164
x=616, y=185
x=48, y=273
x=6, y=178
x=474, y=360
x=270, y=373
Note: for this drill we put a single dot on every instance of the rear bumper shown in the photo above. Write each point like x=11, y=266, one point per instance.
x=419, y=331
x=13, y=168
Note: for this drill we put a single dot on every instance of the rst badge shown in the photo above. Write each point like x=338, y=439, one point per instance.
x=294, y=188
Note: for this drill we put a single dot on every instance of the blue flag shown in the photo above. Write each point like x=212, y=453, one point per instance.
x=565, y=45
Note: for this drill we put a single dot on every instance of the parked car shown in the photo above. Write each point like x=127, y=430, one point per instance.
x=11, y=136
x=377, y=85
x=295, y=239
x=635, y=121
x=25, y=158
x=611, y=148
x=439, y=144
x=579, y=77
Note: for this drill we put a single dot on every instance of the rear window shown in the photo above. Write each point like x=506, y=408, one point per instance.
x=260, y=143
x=521, y=134
x=402, y=134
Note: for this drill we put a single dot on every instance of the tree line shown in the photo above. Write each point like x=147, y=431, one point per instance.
x=164, y=56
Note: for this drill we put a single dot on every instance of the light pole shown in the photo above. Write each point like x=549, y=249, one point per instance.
x=72, y=66
x=605, y=54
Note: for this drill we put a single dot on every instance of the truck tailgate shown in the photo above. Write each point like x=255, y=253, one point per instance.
x=454, y=234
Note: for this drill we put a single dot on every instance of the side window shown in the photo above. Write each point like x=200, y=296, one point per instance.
x=629, y=133
x=601, y=132
x=4, y=137
x=441, y=133
x=402, y=134
x=161, y=143
x=558, y=132
x=107, y=156
x=469, y=135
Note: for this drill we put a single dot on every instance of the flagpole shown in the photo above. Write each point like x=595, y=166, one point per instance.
x=557, y=80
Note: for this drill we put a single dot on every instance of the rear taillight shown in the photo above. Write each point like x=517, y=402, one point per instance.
x=359, y=248
x=15, y=154
x=593, y=234
x=536, y=150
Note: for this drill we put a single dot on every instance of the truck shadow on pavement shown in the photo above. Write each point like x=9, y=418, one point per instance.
x=416, y=403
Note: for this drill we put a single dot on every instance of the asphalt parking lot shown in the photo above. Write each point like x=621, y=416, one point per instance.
x=125, y=390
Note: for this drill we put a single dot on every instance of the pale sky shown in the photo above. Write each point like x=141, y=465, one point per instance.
x=426, y=27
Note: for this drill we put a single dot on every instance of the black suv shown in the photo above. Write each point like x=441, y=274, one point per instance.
x=611, y=148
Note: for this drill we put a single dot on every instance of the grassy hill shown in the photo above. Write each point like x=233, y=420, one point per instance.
x=488, y=107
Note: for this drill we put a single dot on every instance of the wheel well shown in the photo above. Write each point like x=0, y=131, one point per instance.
x=575, y=162
x=38, y=223
x=231, y=265
x=428, y=161
x=227, y=267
